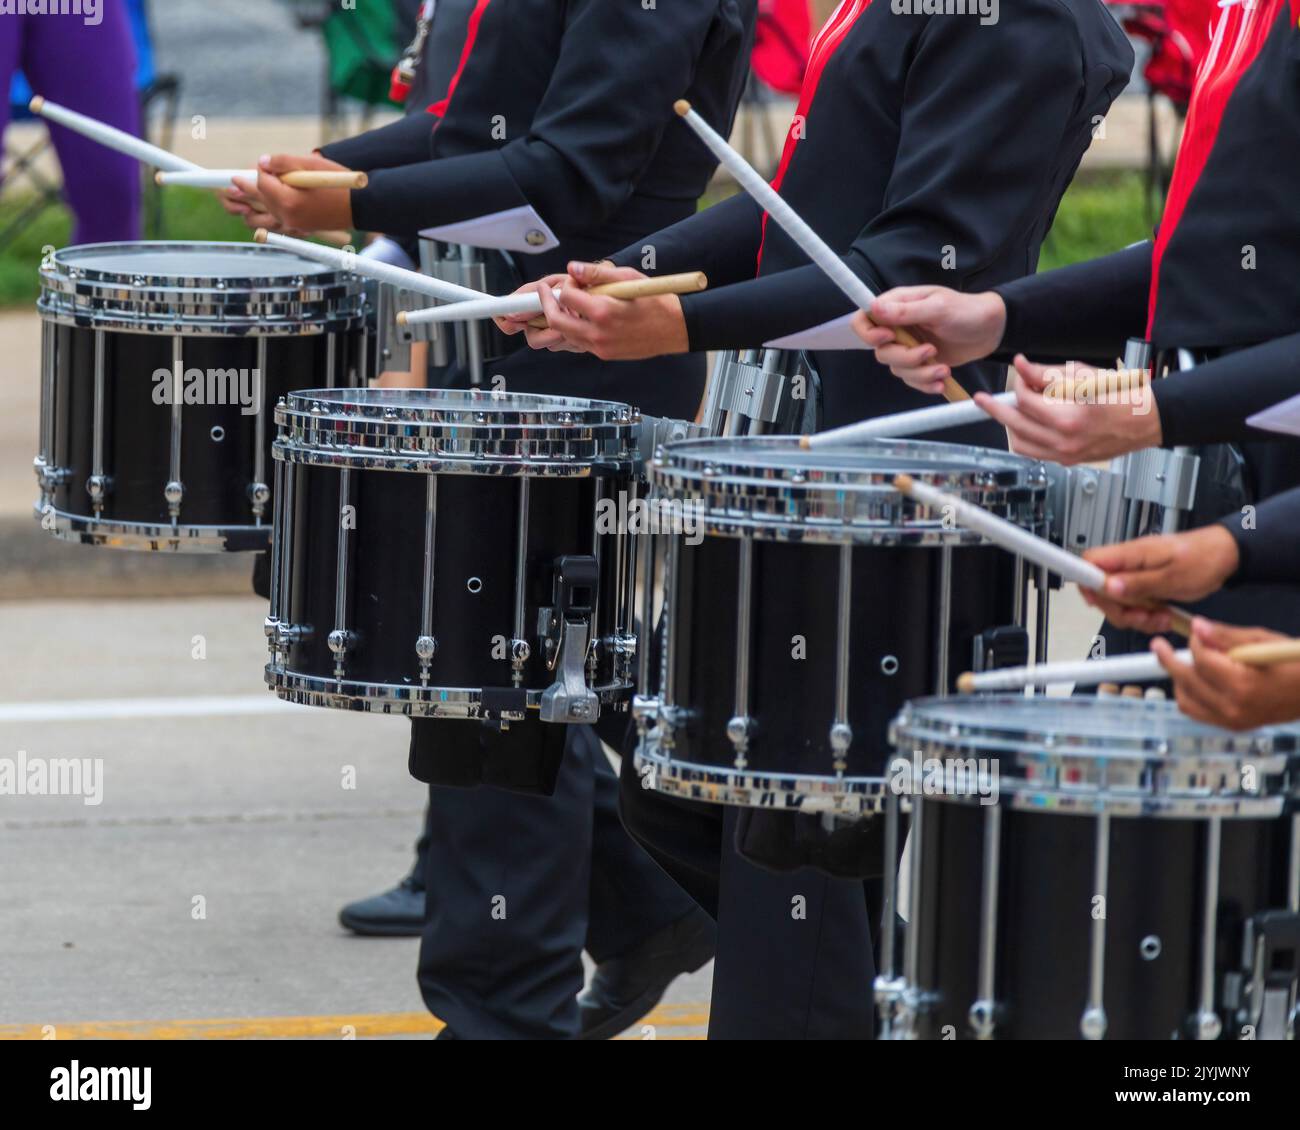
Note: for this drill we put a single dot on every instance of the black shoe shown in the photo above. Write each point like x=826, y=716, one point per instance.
x=398, y=913
x=625, y=988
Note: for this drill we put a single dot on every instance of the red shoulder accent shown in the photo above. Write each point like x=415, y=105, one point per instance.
x=824, y=47
x=1238, y=39
x=439, y=108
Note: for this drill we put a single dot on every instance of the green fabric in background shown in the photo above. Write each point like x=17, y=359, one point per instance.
x=362, y=43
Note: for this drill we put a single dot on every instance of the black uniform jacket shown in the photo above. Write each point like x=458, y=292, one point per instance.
x=1220, y=276
x=564, y=106
x=927, y=148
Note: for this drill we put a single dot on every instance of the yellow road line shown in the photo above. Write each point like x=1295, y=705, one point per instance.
x=296, y=1027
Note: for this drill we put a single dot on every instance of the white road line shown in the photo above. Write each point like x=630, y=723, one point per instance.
x=131, y=709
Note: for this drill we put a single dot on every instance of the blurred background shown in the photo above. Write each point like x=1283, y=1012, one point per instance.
x=228, y=801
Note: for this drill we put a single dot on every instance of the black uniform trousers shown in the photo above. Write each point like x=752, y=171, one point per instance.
x=518, y=885
x=795, y=950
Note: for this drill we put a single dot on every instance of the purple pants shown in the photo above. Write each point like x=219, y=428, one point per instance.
x=90, y=69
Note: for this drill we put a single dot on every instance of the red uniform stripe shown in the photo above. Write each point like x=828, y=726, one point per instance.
x=824, y=47
x=1238, y=40
x=476, y=17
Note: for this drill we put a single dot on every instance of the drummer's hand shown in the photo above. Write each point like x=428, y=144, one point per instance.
x=1044, y=424
x=1220, y=691
x=1178, y=567
x=300, y=209
x=613, y=329
x=952, y=327
x=513, y=324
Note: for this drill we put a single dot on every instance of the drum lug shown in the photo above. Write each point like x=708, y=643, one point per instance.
x=566, y=631
x=340, y=642
x=841, y=737
x=259, y=494
x=645, y=711
x=286, y=635
x=426, y=647
x=50, y=477
x=98, y=487
x=174, y=492
x=982, y=1018
x=740, y=730
x=1265, y=990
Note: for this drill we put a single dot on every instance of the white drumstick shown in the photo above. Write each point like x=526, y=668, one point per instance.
x=1140, y=667
x=530, y=303
x=916, y=422
x=297, y=178
x=110, y=136
x=384, y=272
x=921, y=420
x=1024, y=544
x=816, y=248
x=1005, y=534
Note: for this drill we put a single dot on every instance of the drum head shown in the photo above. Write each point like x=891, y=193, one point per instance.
x=194, y=265
x=771, y=488
x=458, y=431
x=1126, y=756
x=214, y=288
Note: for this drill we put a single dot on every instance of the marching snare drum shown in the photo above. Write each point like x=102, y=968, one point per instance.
x=455, y=554
x=1136, y=874
x=160, y=362
x=816, y=600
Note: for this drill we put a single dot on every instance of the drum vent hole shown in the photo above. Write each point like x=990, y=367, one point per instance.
x=889, y=665
x=218, y=434
x=1150, y=947
x=474, y=585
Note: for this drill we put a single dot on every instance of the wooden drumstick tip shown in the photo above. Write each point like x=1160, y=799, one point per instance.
x=259, y=236
x=401, y=317
x=966, y=683
x=37, y=104
x=682, y=107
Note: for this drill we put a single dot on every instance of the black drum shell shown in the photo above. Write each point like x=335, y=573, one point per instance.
x=794, y=618
x=216, y=473
x=476, y=531
x=1156, y=880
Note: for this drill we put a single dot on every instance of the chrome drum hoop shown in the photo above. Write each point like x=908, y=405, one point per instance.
x=771, y=489
x=1119, y=756
x=838, y=796
x=181, y=287
x=147, y=537
x=414, y=700
x=441, y=431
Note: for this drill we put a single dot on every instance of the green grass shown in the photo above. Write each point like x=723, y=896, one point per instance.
x=187, y=214
x=1099, y=214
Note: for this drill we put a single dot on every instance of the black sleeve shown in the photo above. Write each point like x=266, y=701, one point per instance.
x=593, y=135
x=721, y=241
x=968, y=172
x=1083, y=312
x=1270, y=549
x=402, y=142
x=1212, y=402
